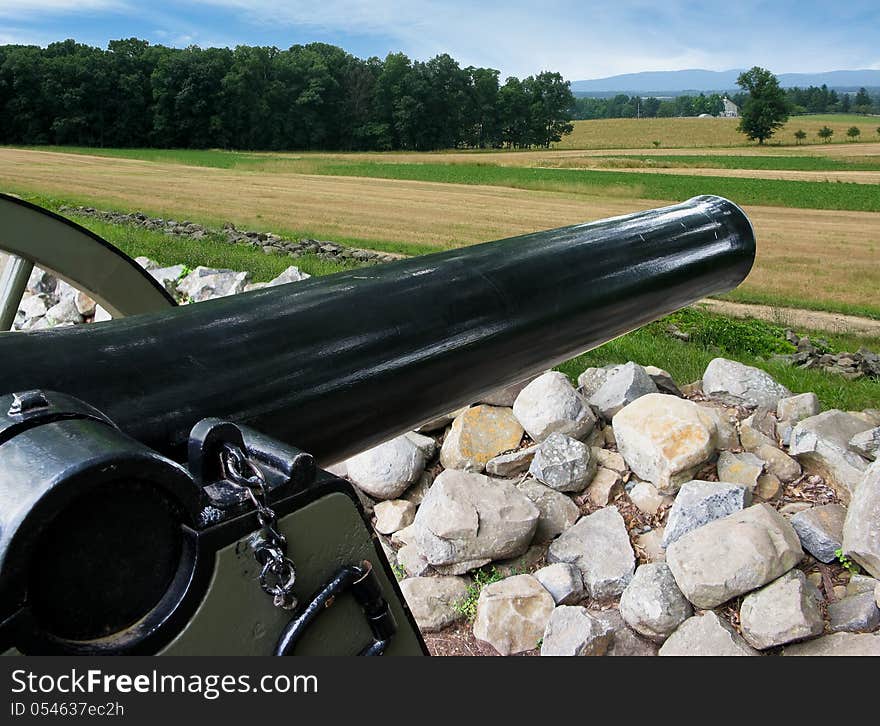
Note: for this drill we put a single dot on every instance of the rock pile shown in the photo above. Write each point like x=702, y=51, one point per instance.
x=813, y=355
x=270, y=243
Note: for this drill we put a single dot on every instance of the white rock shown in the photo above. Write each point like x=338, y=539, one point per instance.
x=412, y=561
x=563, y=463
x=822, y=442
x=867, y=443
x=34, y=306
x=563, y=582
x=550, y=403
x=469, y=517
x=664, y=439
x=515, y=462
x=735, y=382
x=647, y=498
x=782, y=612
x=733, y=555
x=291, y=274
x=393, y=515
x=64, y=311
x=705, y=634
x=205, y=283
x=861, y=530
x=425, y=444
x=558, y=512
x=700, y=502
x=623, y=386
x=434, y=601
x=386, y=470
x=609, y=459
x=599, y=546
x=573, y=631
x=797, y=408
x=101, y=315
x=652, y=604
x=512, y=614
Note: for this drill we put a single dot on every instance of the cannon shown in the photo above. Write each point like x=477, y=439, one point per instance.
x=161, y=480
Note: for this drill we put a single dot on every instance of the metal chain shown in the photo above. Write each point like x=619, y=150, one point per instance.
x=277, y=573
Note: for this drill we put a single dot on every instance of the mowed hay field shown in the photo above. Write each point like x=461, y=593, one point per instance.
x=707, y=132
x=823, y=255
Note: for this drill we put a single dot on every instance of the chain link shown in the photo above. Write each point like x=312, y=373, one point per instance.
x=277, y=573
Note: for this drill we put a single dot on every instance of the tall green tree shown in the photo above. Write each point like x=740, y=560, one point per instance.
x=766, y=108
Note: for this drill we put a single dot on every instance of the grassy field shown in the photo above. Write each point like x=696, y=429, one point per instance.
x=705, y=132
x=728, y=161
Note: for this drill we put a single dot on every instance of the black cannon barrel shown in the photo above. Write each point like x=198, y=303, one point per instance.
x=340, y=363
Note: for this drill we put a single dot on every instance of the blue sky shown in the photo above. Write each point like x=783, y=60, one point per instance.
x=580, y=39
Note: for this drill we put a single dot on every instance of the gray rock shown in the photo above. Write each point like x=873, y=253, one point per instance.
x=758, y=430
x=609, y=459
x=726, y=434
x=821, y=530
x=412, y=561
x=515, y=462
x=557, y=511
x=394, y=515
x=860, y=583
x=469, y=516
x=416, y=493
x=167, y=277
x=291, y=274
x=571, y=630
x=854, y=614
x=623, y=386
x=779, y=463
x=34, y=306
x=534, y=556
x=848, y=644
x=797, y=408
x=549, y=404
x=434, y=600
x=599, y=546
x=700, y=502
x=734, y=382
x=386, y=470
x=563, y=463
x=861, y=529
x=867, y=443
x=740, y=468
x=733, y=555
x=626, y=642
x=63, y=312
x=205, y=283
x=41, y=281
x=426, y=444
x=652, y=604
x=647, y=498
x=563, y=581
x=705, y=634
x=782, y=612
x=663, y=380
x=822, y=442
x=512, y=614
x=665, y=439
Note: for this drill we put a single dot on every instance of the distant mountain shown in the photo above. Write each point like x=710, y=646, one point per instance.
x=675, y=82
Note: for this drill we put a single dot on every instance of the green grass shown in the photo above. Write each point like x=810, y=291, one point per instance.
x=770, y=163
x=673, y=187
x=215, y=158
x=651, y=345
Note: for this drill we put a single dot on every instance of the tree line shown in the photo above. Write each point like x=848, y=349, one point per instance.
x=314, y=96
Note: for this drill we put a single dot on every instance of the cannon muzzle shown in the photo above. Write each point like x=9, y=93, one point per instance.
x=337, y=364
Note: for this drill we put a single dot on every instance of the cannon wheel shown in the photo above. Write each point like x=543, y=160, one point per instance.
x=33, y=236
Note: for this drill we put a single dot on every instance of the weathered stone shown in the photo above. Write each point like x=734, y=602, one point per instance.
x=647, y=498
x=733, y=555
x=779, y=463
x=571, y=630
x=768, y=488
x=506, y=395
x=623, y=386
x=291, y=274
x=664, y=439
x=663, y=380
x=426, y=444
x=413, y=562
x=64, y=312
x=461, y=568
x=386, y=470
x=652, y=604
x=551, y=404
x=848, y=644
x=591, y=379
x=416, y=493
x=860, y=583
x=469, y=516
x=734, y=382
x=563, y=581
x=758, y=430
x=782, y=612
x=512, y=614
x=626, y=642
x=527, y=562
x=403, y=536
x=168, y=277
x=205, y=283
x=861, y=529
x=393, y=515
x=85, y=305
x=705, y=634
x=821, y=530
x=726, y=434
x=866, y=443
x=700, y=502
x=877, y=594
x=563, y=463
x=479, y=434
x=822, y=442
x=558, y=512
x=609, y=459
x=515, y=462
x=34, y=306
x=651, y=545
x=797, y=408
x=599, y=546
x=605, y=487
x=792, y=508
x=434, y=600
x=740, y=468
x=854, y=614
x=41, y=281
